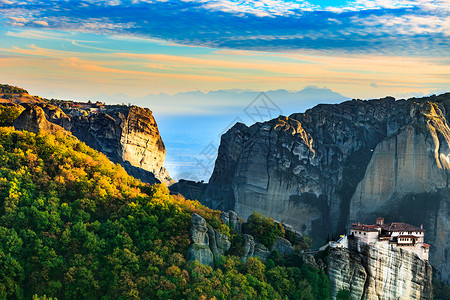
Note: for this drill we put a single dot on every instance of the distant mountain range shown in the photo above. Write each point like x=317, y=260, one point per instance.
x=225, y=101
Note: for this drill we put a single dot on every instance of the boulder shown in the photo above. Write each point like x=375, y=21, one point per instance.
x=283, y=246
x=200, y=238
x=249, y=246
x=261, y=251
x=310, y=260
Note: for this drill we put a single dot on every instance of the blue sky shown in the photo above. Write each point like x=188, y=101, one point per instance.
x=381, y=26
x=359, y=48
x=132, y=50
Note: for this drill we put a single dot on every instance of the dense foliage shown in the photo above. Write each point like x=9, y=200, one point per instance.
x=9, y=89
x=264, y=229
x=8, y=113
x=75, y=226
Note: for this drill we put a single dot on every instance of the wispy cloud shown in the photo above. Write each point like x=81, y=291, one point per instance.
x=400, y=27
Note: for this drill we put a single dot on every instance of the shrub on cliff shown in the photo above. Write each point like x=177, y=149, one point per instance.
x=9, y=113
x=264, y=229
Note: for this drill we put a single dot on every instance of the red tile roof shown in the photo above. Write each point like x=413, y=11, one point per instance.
x=408, y=236
x=396, y=226
x=364, y=227
x=425, y=245
x=401, y=227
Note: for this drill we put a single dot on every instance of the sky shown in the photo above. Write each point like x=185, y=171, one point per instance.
x=136, y=49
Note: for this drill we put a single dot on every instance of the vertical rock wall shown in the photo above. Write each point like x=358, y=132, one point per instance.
x=378, y=272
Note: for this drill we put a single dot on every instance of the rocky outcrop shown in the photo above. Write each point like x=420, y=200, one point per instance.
x=337, y=164
x=232, y=220
x=261, y=251
x=249, y=246
x=127, y=135
x=33, y=119
x=378, y=272
x=207, y=243
x=189, y=189
x=283, y=246
x=199, y=249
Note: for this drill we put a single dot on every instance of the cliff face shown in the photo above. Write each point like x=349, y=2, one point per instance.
x=127, y=135
x=370, y=272
x=337, y=164
x=33, y=119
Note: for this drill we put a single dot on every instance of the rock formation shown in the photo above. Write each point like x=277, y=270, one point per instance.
x=33, y=119
x=127, y=135
x=371, y=272
x=283, y=246
x=207, y=243
x=199, y=249
x=336, y=164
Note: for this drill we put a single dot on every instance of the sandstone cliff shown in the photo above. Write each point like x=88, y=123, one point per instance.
x=336, y=164
x=370, y=272
x=127, y=135
x=33, y=119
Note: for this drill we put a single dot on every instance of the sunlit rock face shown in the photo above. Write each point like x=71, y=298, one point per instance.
x=337, y=164
x=33, y=119
x=378, y=272
x=127, y=135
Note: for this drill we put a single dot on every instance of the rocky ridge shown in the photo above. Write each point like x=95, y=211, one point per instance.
x=127, y=135
x=378, y=272
x=336, y=164
x=208, y=244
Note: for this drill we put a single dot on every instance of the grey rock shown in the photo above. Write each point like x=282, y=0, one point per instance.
x=202, y=254
x=200, y=238
x=223, y=244
x=33, y=119
x=249, y=246
x=199, y=231
x=218, y=242
x=225, y=217
x=207, y=243
x=261, y=251
x=283, y=246
x=310, y=260
x=321, y=264
x=333, y=165
x=370, y=272
x=235, y=222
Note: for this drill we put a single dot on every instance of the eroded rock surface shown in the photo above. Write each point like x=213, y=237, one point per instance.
x=199, y=249
x=336, y=164
x=371, y=272
x=33, y=119
x=207, y=243
x=127, y=135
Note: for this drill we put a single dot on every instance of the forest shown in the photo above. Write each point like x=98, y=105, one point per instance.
x=73, y=225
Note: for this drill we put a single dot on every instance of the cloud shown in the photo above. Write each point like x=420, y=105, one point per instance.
x=399, y=27
x=42, y=23
x=19, y=19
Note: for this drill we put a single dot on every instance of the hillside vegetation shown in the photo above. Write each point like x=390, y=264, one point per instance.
x=75, y=226
x=9, y=89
